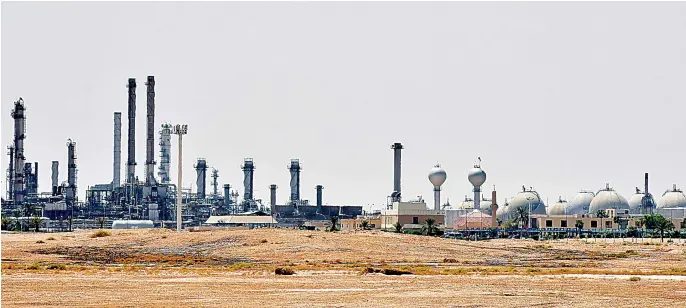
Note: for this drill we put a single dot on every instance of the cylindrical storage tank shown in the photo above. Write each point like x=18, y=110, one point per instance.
x=673, y=198
x=608, y=198
x=558, y=208
x=523, y=199
x=132, y=224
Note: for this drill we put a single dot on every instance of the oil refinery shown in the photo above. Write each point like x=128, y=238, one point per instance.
x=156, y=199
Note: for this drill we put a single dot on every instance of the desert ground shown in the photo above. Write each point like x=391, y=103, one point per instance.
x=236, y=268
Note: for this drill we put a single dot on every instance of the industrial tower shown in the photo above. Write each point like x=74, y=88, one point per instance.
x=294, y=169
x=19, y=116
x=150, y=135
x=165, y=153
x=396, y=194
x=131, y=161
x=201, y=170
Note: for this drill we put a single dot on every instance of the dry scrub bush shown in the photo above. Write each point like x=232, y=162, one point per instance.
x=57, y=266
x=51, y=238
x=283, y=271
x=100, y=233
x=634, y=278
x=39, y=242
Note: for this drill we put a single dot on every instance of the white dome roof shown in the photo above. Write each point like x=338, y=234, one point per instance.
x=580, y=203
x=522, y=200
x=437, y=175
x=672, y=199
x=476, y=176
x=558, y=208
x=607, y=198
x=468, y=203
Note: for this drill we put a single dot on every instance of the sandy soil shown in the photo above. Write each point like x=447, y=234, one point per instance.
x=161, y=268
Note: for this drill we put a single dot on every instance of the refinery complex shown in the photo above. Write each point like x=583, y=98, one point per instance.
x=160, y=202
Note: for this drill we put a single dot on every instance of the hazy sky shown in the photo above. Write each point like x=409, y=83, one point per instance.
x=558, y=96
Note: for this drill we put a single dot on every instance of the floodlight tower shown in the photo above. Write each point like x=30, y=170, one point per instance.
x=179, y=130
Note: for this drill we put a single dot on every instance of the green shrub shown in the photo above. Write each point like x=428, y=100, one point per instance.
x=414, y=232
x=34, y=266
x=634, y=278
x=57, y=266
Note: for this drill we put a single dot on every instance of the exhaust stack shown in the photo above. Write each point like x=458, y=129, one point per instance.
x=396, y=195
x=319, y=189
x=116, y=167
x=55, y=176
x=150, y=135
x=131, y=161
x=272, y=195
x=227, y=195
x=294, y=169
x=494, y=209
x=201, y=170
x=248, y=174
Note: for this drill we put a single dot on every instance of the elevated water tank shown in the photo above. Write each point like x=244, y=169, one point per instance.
x=608, y=198
x=437, y=176
x=673, y=198
x=476, y=176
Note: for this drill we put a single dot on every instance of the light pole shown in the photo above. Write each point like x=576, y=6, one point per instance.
x=179, y=130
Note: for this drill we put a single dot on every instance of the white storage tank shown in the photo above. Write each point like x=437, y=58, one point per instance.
x=608, y=198
x=132, y=224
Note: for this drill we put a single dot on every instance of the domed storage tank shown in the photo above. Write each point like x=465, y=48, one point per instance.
x=522, y=200
x=673, y=198
x=636, y=201
x=580, y=203
x=608, y=198
x=468, y=203
x=558, y=208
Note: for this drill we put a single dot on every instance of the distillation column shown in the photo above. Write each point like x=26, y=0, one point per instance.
x=71, y=173
x=165, y=153
x=19, y=116
x=116, y=166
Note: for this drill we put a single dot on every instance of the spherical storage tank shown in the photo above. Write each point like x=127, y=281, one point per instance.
x=580, y=203
x=559, y=208
x=607, y=198
x=477, y=176
x=437, y=175
x=468, y=203
x=673, y=198
x=523, y=199
x=636, y=201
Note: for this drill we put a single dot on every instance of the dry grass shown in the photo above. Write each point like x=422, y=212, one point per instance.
x=100, y=233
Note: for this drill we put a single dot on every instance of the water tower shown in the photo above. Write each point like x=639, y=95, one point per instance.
x=477, y=177
x=437, y=177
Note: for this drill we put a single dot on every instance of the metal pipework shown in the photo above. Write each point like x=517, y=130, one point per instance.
x=131, y=161
x=150, y=135
x=116, y=165
x=397, y=147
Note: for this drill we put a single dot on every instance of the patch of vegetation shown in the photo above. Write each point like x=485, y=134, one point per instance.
x=57, y=266
x=392, y=271
x=449, y=260
x=283, y=271
x=100, y=233
x=164, y=236
x=635, y=278
x=34, y=266
x=51, y=238
x=263, y=241
x=39, y=242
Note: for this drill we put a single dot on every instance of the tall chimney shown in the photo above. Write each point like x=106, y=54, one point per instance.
x=150, y=136
x=165, y=152
x=71, y=173
x=116, y=165
x=200, y=182
x=55, y=176
x=19, y=116
x=294, y=168
x=10, y=173
x=35, y=177
x=397, y=147
x=494, y=209
x=272, y=195
x=227, y=195
x=248, y=174
x=131, y=161
x=319, y=189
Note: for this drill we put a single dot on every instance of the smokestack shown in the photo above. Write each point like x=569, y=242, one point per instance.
x=55, y=176
x=201, y=170
x=10, y=173
x=71, y=172
x=494, y=209
x=165, y=152
x=131, y=161
x=647, y=198
x=294, y=168
x=150, y=136
x=646, y=184
x=272, y=195
x=227, y=195
x=319, y=197
x=397, y=147
x=19, y=116
x=248, y=174
x=35, y=177
x=116, y=172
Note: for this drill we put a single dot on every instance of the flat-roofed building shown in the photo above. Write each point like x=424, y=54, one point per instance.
x=411, y=215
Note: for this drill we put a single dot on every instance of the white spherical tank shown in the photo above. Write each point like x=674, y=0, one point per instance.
x=580, y=203
x=523, y=198
x=606, y=199
x=477, y=176
x=635, y=202
x=437, y=175
x=674, y=198
x=558, y=208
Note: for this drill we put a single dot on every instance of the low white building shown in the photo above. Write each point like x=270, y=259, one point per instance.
x=242, y=221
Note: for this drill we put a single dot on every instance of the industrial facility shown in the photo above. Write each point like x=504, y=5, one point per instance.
x=156, y=201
